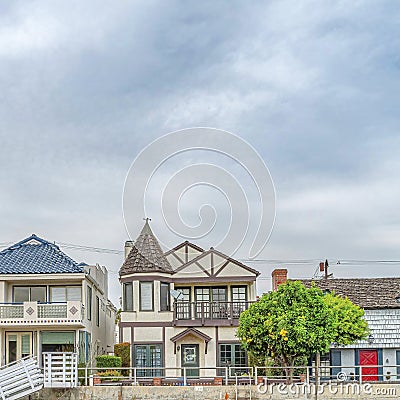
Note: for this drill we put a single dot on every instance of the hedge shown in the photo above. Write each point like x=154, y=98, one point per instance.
x=123, y=350
x=108, y=362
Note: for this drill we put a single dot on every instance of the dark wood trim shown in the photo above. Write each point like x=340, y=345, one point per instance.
x=163, y=349
x=216, y=345
x=222, y=267
x=187, y=244
x=132, y=344
x=222, y=255
x=206, y=322
x=146, y=278
x=191, y=331
x=121, y=333
x=186, y=252
x=212, y=264
x=178, y=258
x=202, y=269
x=149, y=324
x=214, y=279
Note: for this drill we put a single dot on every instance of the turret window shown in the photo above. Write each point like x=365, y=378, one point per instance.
x=146, y=296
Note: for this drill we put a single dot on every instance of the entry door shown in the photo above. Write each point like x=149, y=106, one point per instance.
x=369, y=365
x=19, y=345
x=190, y=359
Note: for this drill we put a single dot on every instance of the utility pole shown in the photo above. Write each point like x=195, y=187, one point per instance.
x=323, y=267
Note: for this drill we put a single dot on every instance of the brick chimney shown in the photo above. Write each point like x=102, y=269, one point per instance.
x=278, y=276
x=128, y=247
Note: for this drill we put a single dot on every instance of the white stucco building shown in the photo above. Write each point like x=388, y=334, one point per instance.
x=50, y=303
x=181, y=307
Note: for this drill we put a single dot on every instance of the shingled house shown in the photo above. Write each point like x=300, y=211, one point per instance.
x=379, y=355
x=180, y=308
x=50, y=303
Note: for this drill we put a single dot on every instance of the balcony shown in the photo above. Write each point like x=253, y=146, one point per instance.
x=202, y=313
x=33, y=313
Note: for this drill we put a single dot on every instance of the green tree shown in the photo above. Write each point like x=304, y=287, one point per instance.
x=296, y=321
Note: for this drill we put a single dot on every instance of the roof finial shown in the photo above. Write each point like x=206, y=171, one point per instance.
x=147, y=219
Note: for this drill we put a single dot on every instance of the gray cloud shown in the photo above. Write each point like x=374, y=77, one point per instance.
x=314, y=87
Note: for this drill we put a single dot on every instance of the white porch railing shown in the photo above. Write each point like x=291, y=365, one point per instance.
x=60, y=370
x=20, y=379
x=40, y=313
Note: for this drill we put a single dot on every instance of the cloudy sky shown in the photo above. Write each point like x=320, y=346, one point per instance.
x=312, y=86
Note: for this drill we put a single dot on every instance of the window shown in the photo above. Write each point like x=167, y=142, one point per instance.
x=183, y=305
x=61, y=294
x=185, y=293
x=219, y=294
x=146, y=296
x=202, y=294
x=239, y=299
x=128, y=297
x=234, y=356
x=89, y=302
x=59, y=341
x=148, y=356
x=97, y=311
x=29, y=293
x=164, y=296
x=239, y=293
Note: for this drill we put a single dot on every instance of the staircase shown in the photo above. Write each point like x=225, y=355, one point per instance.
x=20, y=378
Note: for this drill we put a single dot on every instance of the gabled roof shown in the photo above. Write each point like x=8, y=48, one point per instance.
x=221, y=267
x=35, y=255
x=146, y=255
x=367, y=293
x=191, y=331
x=184, y=251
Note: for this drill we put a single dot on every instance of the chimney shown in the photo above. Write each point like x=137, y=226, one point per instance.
x=278, y=276
x=128, y=247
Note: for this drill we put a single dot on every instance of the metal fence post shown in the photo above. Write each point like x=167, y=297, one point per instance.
x=256, y=375
x=226, y=376
x=184, y=376
x=134, y=376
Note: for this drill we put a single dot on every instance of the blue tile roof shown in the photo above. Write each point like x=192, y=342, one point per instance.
x=35, y=255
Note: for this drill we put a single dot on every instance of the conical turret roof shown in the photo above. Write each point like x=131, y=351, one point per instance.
x=146, y=255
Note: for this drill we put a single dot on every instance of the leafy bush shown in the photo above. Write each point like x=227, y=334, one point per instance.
x=81, y=374
x=108, y=362
x=112, y=374
x=123, y=350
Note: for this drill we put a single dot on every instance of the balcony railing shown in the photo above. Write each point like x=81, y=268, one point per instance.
x=209, y=313
x=40, y=313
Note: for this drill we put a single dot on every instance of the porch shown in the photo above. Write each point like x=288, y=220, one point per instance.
x=201, y=313
x=34, y=313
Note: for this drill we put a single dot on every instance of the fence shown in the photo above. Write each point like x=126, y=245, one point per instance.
x=207, y=376
x=20, y=378
x=60, y=370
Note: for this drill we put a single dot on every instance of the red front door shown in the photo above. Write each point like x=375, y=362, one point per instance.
x=369, y=365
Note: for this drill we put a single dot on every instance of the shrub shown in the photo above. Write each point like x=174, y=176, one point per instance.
x=112, y=374
x=108, y=362
x=123, y=350
x=81, y=374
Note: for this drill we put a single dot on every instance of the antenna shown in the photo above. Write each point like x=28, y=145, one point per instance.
x=176, y=295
